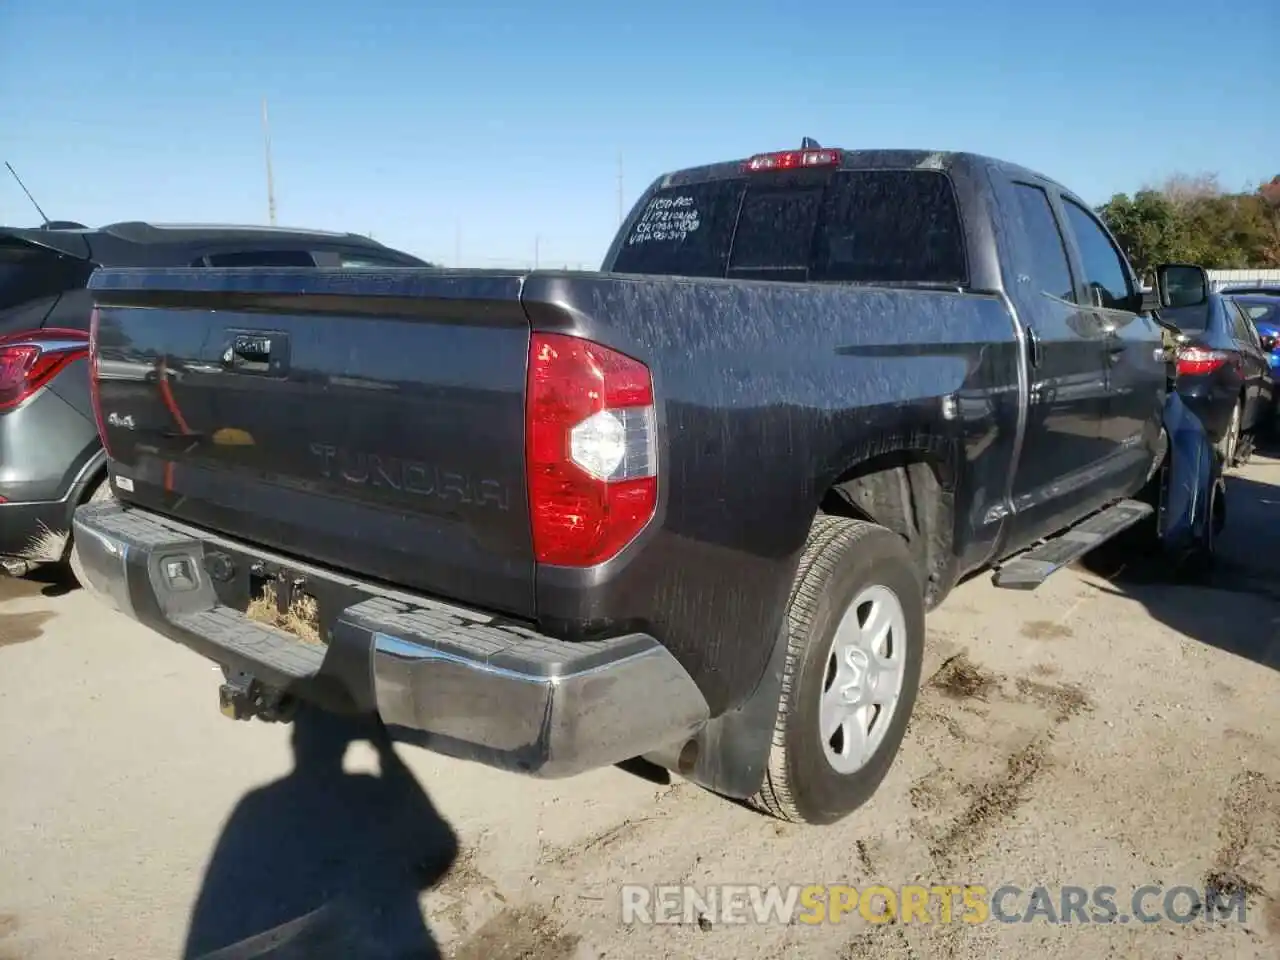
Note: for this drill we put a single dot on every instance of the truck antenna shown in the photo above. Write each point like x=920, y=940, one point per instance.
x=621, y=212
x=43, y=218
x=271, y=183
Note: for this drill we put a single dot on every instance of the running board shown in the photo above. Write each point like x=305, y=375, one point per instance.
x=1028, y=570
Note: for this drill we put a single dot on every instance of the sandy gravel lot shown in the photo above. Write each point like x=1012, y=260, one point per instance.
x=1098, y=731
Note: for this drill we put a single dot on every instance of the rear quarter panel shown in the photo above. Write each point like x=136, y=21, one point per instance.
x=768, y=392
x=47, y=442
x=1210, y=396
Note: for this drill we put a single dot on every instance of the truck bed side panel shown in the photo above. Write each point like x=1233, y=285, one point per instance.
x=769, y=392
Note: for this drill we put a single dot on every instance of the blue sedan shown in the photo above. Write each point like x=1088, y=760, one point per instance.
x=1264, y=311
x=1224, y=375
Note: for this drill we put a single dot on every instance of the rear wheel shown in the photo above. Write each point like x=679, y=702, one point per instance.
x=100, y=493
x=856, y=625
x=1230, y=442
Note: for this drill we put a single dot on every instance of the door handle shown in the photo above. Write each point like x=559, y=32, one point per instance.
x=252, y=348
x=257, y=352
x=1034, y=354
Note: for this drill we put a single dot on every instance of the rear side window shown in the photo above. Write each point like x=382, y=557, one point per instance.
x=858, y=226
x=1047, y=251
x=259, y=258
x=29, y=273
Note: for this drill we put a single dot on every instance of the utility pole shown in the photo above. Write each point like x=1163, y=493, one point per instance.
x=537, y=244
x=271, y=187
x=620, y=213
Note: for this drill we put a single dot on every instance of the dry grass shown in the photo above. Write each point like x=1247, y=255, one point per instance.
x=301, y=618
x=46, y=545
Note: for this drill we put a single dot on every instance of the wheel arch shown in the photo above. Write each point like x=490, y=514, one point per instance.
x=907, y=486
x=732, y=750
x=91, y=475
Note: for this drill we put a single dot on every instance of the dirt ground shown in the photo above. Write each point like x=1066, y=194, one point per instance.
x=1100, y=731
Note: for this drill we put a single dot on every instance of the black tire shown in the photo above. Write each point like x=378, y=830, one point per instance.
x=842, y=559
x=1229, y=445
x=100, y=493
x=1198, y=564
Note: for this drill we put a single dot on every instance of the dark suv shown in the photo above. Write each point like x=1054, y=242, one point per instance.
x=50, y=456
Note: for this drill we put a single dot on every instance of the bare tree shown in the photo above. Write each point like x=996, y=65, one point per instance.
x=1184, y=190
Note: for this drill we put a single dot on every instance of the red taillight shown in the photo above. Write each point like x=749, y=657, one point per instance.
x=94, y=395
x=30, y=360
x=591, y=449
x=1194, y=361
x=792, y=160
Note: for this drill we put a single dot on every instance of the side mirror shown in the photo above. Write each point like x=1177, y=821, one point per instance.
x=1182, y=285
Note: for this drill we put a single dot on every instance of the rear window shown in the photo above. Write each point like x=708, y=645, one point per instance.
x=29, y=273
x=1194, y=321
x=359, y=261
x=1264, y=291
x=856, y=226
x=1243, y=329
x=260, y=258
x=1260, y=312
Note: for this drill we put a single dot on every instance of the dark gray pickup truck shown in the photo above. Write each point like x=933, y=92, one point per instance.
x=693, y=507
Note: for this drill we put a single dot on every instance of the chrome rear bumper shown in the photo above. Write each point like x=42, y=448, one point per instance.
x=458, y=681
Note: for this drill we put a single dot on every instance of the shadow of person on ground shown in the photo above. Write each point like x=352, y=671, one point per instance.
x=1236, y=607
x=324, y=863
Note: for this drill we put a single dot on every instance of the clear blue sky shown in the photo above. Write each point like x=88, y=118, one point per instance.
x=412, y=120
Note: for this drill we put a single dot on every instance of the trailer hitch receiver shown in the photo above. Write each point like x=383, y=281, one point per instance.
x=242, y=697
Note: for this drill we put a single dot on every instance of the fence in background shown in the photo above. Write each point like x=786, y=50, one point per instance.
x=1224, y=278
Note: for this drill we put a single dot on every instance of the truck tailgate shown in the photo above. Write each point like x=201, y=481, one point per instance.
x=368, y=420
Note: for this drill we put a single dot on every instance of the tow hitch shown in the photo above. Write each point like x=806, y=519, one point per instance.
x=242, y=697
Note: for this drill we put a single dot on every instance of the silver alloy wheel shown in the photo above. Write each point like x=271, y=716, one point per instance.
x=863, y=681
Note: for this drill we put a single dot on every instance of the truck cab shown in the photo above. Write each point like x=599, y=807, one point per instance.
x=1090, y=380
